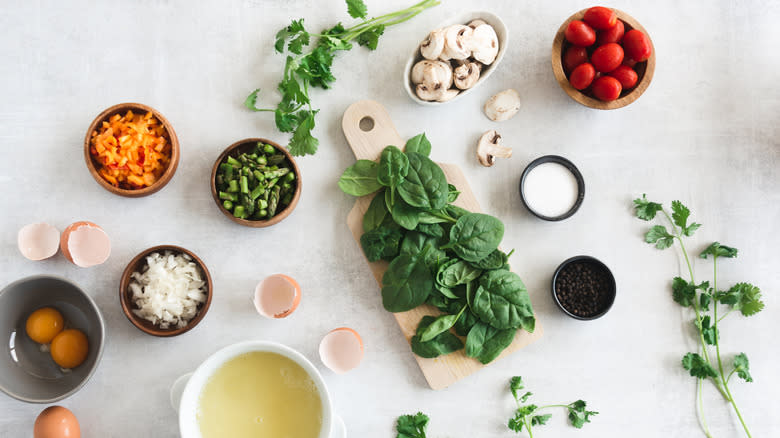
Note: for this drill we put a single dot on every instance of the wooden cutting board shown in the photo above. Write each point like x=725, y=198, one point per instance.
x=368, y=129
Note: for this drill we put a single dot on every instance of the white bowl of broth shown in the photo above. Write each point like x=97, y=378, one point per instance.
x=256, y=389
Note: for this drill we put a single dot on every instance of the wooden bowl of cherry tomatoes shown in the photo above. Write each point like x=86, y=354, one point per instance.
x=603, y=58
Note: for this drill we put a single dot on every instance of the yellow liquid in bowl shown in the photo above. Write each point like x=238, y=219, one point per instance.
x=257, y=395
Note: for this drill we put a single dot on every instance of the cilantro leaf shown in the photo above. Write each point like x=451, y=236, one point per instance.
x=516, y=385
x=412, y=426
x=297, y=35
x=356, y=8
x=370, y=38
x=710, y=333
x=516, y=423
x=718, y=250
x=645, y=209
x=539, y=420
x=578, y=415
x=742, y=367
x=285, y=122
x=704, y=301
x=302, y=142
x=660, y=237
x=698, y=367
x=251, y=101
x=680, y=214
x=743, y=297
x=684, y=293
x=690, y=229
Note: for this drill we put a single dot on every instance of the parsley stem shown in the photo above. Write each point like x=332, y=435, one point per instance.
x=678, y=236
x=717, y=346
x=701, y=409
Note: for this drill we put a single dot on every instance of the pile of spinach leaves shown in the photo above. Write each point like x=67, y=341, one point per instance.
x=439, y=254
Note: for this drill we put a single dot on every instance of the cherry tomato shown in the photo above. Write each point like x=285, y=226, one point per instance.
x=606, y=88
x=582, y=76
x=626, y=75
x=580, y=34
x=574, y=56
x=611, y=35
x=599, y=17
x=607, y=57
x=637, y=45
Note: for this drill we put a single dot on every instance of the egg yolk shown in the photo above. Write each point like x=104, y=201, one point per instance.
x=69, y=348
x=44, y=324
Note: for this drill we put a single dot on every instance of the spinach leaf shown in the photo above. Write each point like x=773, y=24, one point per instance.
x=375, y=214
x=455, y=212
x=407, y=282
x=381, y=243
x=415, y=243
x=360, y=178
x=425, y=186
x=405, y=215
x=440, y=325
x=444, y=343
x=452, y=194
x=393, y=167
x=502, y=301
x=464, y=324
x=447, y=292
x=433, y=230
x=486, y=343
x=439, y=301
x=419, y=144
x=475, y=236
x=432, y=217
x=456, y=273
x=495, y=260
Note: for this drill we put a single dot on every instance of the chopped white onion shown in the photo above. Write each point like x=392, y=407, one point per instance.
x=169, y=291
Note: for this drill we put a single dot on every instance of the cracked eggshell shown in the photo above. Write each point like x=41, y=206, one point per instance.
x=85, y=244
x=341, y=350
x=38, y=241
x=277, y=296
x=460, y=19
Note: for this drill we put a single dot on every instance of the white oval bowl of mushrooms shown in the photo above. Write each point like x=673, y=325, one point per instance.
x=455, y=58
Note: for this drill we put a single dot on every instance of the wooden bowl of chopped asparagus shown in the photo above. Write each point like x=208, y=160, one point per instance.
x=256, y=183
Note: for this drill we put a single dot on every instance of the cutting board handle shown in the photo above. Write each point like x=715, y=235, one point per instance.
x=368, y=129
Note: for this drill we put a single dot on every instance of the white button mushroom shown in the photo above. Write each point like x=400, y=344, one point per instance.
x=467, y=75
x=488, y=149
x=448, y=95
x=455, y=38
x=483, y=43
x=417, y=71
x=474, y=23
x=502, y=106
x=433, y=45
x=432, y=73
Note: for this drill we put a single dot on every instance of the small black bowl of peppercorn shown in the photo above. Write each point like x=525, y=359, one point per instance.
x=584, y=288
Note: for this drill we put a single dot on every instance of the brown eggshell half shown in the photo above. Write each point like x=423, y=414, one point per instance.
x=56, y=422
x=38, y=241
x=85, y=244
x=277, y=296
x=341, y=350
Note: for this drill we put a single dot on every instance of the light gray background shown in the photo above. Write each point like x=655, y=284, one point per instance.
x=706, y=131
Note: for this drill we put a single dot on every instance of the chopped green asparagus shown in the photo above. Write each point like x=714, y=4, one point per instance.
x=256, y=184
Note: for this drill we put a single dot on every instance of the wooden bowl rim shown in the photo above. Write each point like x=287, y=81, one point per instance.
x=256, y=223
x=166, y=176
x=582, y=98
x=146, y=326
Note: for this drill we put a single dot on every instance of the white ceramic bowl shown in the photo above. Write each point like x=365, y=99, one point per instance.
x=464, y=18
x=186, y=390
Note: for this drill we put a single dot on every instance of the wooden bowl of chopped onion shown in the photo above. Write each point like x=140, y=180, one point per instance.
x=131, y=150
x=165, y=290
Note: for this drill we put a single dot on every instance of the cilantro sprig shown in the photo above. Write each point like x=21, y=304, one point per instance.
x=412, y=426
x=294, y=112
x=528, y=415
x=742, y=297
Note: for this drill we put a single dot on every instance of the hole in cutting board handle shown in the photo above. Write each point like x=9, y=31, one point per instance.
x=366, y=124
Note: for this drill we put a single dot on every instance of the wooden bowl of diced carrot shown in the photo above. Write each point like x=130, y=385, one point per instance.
x=131, y=150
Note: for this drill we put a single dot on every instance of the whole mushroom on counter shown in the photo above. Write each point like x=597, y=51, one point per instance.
x=455, y=56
